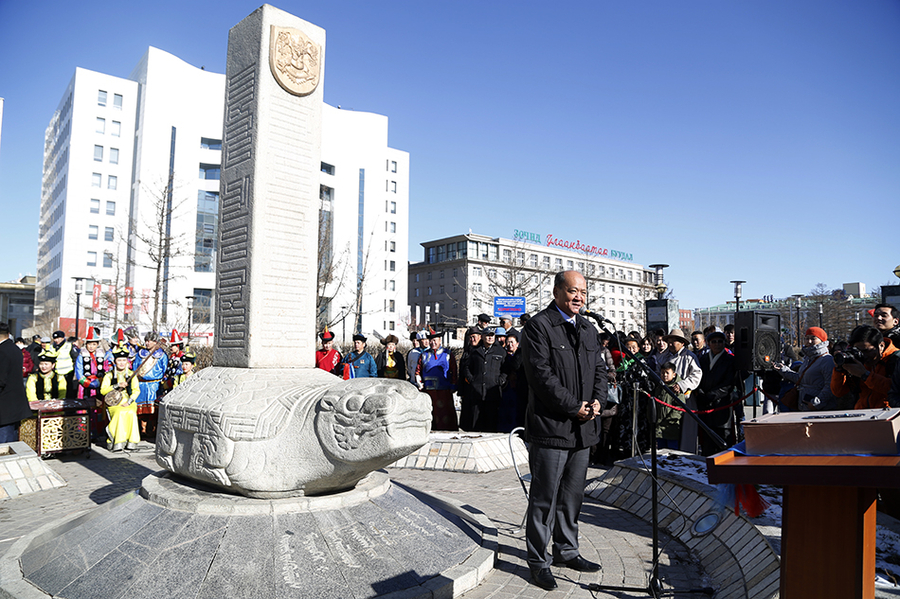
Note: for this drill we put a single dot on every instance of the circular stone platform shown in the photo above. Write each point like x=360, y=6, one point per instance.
x=178, y=539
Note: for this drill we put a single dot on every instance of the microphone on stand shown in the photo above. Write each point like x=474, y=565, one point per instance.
x=585, y=312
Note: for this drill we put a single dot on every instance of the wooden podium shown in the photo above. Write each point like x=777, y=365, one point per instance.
x=828, y=521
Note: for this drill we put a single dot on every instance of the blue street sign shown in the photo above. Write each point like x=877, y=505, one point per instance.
x=509, y=306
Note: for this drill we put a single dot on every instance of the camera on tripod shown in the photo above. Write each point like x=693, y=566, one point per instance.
x=851, y=354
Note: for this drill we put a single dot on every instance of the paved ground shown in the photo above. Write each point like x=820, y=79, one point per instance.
x=616, y=539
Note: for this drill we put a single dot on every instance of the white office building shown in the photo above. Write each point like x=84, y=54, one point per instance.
x=130, y=202
x=461, y=276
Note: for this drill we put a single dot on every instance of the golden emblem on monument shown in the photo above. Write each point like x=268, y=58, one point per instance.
x=295, y=60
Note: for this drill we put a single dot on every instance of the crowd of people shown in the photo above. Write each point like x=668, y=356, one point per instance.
x=120, y=381
x=486, y=382
x=484, y=388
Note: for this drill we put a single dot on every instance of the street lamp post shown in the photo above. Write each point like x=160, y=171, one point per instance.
x=79, y=289
x=190, y=307
x=737, y=297
x=820, y=316
x=799, y=304
x=660, y=285
x=344, y=309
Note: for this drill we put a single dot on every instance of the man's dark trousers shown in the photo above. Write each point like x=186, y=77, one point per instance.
x=557, y=491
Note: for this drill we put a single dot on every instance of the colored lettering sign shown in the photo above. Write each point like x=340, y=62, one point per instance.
x=592, y=250
x=509, y=306
x=526, y=236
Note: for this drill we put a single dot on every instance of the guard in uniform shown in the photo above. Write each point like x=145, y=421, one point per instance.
x=359, y=363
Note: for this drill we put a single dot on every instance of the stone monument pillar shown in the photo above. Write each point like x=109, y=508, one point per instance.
x=270, y=193
x=263, y=421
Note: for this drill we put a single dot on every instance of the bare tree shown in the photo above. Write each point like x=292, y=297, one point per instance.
x=515, y=273
x=156, y=240
x=361, y=279
x=332, y=274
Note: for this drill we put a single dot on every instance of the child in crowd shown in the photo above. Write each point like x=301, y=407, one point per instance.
x=668, y=420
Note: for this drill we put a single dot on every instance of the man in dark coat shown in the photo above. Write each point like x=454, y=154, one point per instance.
x=13, y=403
x=567, y=387
x=716, y=391
x=484, y=382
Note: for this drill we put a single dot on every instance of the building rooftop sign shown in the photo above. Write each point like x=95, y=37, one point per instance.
x=552, y=241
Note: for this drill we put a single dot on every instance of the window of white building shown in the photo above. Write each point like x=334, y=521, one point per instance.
x=93, y=231
x=114, y=155
x=101, y=125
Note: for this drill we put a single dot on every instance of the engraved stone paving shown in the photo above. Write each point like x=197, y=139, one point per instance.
x=615, y=538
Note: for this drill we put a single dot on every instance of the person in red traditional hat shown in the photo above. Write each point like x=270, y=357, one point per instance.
x=328, y=358
x=89, y=366
x=88, y=375
x=109, y=359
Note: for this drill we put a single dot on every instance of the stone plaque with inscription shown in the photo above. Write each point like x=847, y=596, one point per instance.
x=269, y=189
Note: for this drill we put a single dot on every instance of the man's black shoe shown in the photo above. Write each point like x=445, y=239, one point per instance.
x=578, y=563
x=544, y=579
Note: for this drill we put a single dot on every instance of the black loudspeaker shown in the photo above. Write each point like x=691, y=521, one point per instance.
x=757, y=340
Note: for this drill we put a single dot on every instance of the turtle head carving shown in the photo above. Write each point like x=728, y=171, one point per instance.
x=361, y=419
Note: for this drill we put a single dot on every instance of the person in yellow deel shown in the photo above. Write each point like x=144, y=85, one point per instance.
x=187, y=367
x=120, y=389
x=45, y=383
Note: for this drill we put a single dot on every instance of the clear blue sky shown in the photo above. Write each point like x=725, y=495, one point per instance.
x=757, y=140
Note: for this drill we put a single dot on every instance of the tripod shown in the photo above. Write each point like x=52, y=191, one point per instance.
x=654, y=587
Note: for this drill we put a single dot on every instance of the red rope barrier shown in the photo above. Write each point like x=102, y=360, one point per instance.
x=731, y=405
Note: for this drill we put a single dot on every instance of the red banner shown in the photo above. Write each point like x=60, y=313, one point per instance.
x=129, y=299
x=95, y=301
x=145, y=301
x=111, y=299
x=67, y=325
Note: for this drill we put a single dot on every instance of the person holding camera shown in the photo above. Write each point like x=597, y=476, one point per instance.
x=813, y=378
x=865, y=369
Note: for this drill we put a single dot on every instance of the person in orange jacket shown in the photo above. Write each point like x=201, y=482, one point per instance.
x=865, y=368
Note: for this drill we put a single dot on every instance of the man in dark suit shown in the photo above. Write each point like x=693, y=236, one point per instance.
x=567, y=390
x=716, y=391
x=13, y=403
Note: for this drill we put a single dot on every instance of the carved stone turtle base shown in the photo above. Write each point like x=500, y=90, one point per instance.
x=270, y=433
